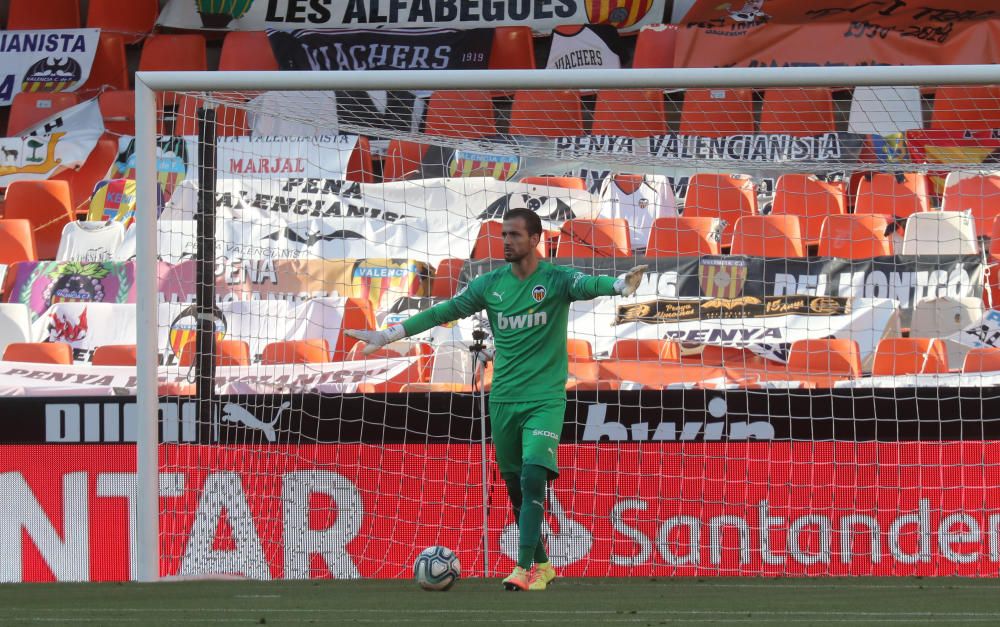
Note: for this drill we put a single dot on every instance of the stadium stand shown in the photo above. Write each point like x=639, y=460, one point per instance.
x=965, y=108
x=308, y=351
x=245, y=51
x=227, y=353
x=547, y=113
x=133, y=19
x=630, y=113
x=402, y=160
x=717, y=112
x=854, y=236
x=819, y=357
x=110, y=67
x=978, y=193
x=47, y=205
x=899, y=194
x=809, y=198
x=909, y=355
x=461, y=114
x=683, y=236
x=982, y=359
x=173, y=52
x=17, y=241
x=513, y=49
x=600, y=237
x=724, y=196
x=654, y=46
x=579, y=350
x=645, y=350
x=39, y=352
x=31, y=15
x=565, y=182
x=940, y=233
x=29, y=108
x=802, y=112
x=768, y=236
x=445, y=283
x=118, y=111
x=114, y=355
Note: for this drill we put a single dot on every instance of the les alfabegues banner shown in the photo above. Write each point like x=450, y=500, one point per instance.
x=626, y=15
x=45, y=60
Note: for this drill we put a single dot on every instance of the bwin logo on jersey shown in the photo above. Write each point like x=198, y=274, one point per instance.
x=523, y=321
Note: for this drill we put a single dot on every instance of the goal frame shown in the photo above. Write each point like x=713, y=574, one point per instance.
x=148, y=84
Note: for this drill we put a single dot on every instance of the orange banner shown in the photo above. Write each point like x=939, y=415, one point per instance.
x=760, y=33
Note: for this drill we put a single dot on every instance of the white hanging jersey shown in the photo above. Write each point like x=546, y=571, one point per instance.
x=653, y=199
x=588, y=48
x=90, y=241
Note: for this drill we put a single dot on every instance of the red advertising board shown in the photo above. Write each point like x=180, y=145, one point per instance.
x=653, y=509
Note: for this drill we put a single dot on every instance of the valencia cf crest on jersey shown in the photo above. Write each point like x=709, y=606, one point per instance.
x=538, y=293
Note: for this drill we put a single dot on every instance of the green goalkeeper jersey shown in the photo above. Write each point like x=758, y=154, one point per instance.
x=528, y=319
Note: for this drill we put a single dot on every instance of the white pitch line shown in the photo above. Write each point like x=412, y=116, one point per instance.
x=602, y=613
x=494, y=620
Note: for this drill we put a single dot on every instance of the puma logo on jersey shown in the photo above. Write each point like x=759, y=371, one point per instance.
x=498, y=295
x=522, y=321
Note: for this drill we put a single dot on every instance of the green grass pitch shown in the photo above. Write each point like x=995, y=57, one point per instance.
x=637, y=601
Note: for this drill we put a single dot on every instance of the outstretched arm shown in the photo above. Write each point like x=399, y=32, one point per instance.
x=465, y=304
x=584, y=287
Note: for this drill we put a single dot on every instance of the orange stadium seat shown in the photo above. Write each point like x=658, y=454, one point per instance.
x=654, y=46
x=838, y=357
x=134, y=19
x=173, y=52
x=768, y=236
x=546, y=113
x=632, y=349
x=800, y=112
x=467, y=114
x=40, y=352
x=724, y=196
x=513, y=48
x=897, y=195
x=979, y=193
x=579, y=350
x=227, y=353
x=811, y=199
x=423, y=350
x=909, y=355
x=853, y=236
x=600, y=237
x=47, y=205
x=95, y=168
x=360, y=168
x=118, y=111
x=982, y=359
x=229, y=121
x=110, y=67
x=29, y=108
x=17, y=241
x=308, y=351
x=445, y=282
x=358, y=314
x=677, y=236
x=489, y=242
x=717, y=112
x=114, y=355
x=50, y=15
x=565, y=182
x=247, y=51
x=402, y=160
x=966, y=107
x=630, y=113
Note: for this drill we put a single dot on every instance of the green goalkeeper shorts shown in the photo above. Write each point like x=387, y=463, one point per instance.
x=527, y=433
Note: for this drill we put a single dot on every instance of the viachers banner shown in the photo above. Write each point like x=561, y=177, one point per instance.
x=834, y=32
x=45, y=60
x=626, y=15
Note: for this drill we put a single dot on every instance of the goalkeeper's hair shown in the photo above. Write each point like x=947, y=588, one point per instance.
x=531, y=220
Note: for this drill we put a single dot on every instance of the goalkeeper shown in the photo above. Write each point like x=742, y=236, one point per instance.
x=527, y=302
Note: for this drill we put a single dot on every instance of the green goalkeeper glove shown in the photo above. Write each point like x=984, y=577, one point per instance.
x=627, y=285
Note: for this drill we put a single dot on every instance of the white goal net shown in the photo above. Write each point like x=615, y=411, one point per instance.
x=804, y=383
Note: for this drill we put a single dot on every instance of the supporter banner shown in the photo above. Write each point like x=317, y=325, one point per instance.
x=262, y=158
x=985, y=332
x=410, y=49
x=904, y=279
x=66, y=510
x=785, y=32
x=35, y=158
x=24, y=379
x=626, y=15
x=45, y=60
x=381, y=281
x=85, y=116
x=85, y=326
x=41, y=284
x=953, y=149
x=256, y=322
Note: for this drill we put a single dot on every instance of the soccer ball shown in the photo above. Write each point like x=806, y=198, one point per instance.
x=436, y=568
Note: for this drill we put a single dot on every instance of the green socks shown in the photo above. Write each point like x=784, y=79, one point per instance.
x=527, y=495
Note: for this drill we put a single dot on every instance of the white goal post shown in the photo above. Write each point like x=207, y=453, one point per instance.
x=148, y=85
